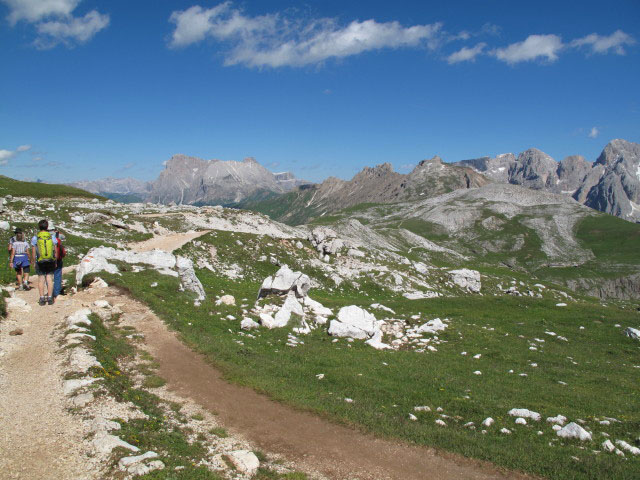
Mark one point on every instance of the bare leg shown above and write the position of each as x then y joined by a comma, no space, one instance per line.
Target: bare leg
19,275
50,284
26,277
41,285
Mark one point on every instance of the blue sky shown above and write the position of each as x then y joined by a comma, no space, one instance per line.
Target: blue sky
90,89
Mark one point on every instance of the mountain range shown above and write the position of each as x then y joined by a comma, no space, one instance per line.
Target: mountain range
611,184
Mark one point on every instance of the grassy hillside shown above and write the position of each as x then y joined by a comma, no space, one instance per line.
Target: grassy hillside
533,356
17,188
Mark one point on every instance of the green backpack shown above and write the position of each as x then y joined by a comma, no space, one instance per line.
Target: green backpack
45,247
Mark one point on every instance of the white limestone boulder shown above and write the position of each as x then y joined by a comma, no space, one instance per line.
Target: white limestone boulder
573,430
525,413
284,281
354,322
466,279
188,277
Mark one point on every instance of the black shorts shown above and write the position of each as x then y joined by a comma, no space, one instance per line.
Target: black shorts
45,268
26,269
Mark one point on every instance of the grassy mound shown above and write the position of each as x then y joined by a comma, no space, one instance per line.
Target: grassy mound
17,188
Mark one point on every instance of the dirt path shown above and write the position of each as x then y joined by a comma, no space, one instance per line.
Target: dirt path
39,439
305,439
168,243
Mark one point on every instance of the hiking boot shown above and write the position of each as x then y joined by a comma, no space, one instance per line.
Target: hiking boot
26,287
50,300
21,287
42,301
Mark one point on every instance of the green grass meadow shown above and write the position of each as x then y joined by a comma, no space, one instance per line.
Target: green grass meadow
597,363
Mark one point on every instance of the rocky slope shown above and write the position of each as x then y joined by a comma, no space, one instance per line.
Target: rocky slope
379,184
611,184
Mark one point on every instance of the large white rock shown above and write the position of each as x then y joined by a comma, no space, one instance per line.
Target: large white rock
632,333
467,279
96,260
284,281
354,322
245,461
4,225
525,413
188,277
573,430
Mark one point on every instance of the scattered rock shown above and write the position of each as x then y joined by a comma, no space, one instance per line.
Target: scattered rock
488,422
248,324
104,443
226,300
558,419
82,400
466,279
629,448
245,461
17,331
573,430
525,413
632,333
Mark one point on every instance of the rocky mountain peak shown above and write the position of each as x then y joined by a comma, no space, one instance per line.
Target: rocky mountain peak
435,160
618,149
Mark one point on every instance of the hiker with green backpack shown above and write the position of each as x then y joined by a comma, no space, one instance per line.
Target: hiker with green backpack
44,254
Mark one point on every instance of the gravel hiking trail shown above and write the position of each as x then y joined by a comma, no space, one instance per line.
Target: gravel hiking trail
39,438
168,243
311,442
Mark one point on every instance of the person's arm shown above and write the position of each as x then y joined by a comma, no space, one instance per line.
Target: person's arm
13,254
33,254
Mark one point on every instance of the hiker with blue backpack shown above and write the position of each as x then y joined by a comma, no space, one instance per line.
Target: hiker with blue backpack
19,259
44,254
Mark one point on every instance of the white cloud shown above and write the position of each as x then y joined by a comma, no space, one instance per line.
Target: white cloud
532,48
594,132
5,156
54,21
466,54
275,41
71,30
602,44
35,10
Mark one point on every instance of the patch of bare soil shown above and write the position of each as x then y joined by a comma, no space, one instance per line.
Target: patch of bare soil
310,442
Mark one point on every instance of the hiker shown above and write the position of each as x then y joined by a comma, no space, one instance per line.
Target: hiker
61,252
19,259
44,254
